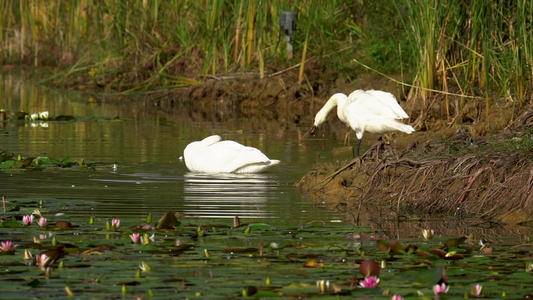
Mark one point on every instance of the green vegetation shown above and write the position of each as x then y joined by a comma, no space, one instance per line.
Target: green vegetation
44,254
477,48
520,144
517,143
10,161
475,51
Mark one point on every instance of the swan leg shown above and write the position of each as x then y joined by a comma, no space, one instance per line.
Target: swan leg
358,145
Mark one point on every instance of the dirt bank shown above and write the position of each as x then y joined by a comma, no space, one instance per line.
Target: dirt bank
465,175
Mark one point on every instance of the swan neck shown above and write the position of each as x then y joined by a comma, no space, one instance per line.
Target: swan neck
335,100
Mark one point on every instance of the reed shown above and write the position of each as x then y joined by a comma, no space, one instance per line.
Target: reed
140,40
484,45
479,48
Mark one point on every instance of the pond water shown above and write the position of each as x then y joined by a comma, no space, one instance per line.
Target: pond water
138,150
287,245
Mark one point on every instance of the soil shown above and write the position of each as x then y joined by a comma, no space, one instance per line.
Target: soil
428,178
413,175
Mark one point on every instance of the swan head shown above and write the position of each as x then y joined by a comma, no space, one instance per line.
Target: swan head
339,100
313,130
319,119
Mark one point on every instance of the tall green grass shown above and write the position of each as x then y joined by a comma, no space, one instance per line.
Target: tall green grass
130,44
144,36
481,49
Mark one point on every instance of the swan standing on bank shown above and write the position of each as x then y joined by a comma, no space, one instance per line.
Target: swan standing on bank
211,155
372,111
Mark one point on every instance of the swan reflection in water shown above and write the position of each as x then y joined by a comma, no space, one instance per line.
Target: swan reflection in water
228,195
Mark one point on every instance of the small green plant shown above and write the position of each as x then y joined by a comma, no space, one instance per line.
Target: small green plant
522,144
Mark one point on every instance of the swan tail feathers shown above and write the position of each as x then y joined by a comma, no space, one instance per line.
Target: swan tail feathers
408,129
257,167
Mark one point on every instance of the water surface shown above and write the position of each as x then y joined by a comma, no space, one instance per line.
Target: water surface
138,145
138,150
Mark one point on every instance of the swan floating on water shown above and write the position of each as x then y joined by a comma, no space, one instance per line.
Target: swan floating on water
212,155
372,111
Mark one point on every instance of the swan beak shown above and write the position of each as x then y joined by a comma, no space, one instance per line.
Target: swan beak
314,129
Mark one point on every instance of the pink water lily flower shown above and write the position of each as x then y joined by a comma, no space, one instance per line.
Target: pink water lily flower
115,224
476,290
42,222
42,261
369,282
135,238
396,297
7,246
443,288
27,220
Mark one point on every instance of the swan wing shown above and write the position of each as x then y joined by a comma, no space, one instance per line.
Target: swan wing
241,159
374,105
210,140
223,157
388,100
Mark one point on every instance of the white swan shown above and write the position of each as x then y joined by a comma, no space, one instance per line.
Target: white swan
211,155
372,111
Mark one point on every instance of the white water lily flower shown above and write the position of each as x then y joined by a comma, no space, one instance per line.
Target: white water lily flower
145,267
43,115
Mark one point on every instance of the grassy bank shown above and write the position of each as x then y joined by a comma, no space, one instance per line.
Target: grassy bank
474,53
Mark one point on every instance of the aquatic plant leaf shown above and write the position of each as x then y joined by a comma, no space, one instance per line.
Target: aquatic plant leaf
397,247
10,223
383,246
260,226
181,248
451,243
27,162
486,250
7,164
4,155
63,118
264,294
34,283
441,253
54,254
20,115
301,255
423,253
168,221
313,264
249,291
430,277
129,283
241,250
63,224
47,160
369,267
